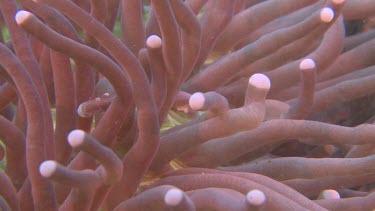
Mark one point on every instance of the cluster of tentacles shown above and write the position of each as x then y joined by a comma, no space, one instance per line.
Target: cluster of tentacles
187,105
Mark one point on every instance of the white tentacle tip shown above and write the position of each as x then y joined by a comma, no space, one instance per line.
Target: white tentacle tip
330,194
76,138
173,197
47,168
256,197
21,16
260,80
153,41
197,100
327,15
307,64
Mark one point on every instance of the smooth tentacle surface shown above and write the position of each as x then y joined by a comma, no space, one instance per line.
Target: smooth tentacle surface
187,105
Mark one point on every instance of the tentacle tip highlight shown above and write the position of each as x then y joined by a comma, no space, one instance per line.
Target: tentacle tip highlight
256,197
307,64
80,111
76,137
173,197
21,16
330,194
153,41
197,101
260,80
47,168
327,15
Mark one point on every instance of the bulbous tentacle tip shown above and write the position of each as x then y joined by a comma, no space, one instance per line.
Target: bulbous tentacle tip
255,197
330,194
47,168
260,80
21,16
197,101
173,197
307,64
153,41
76,137
327,14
